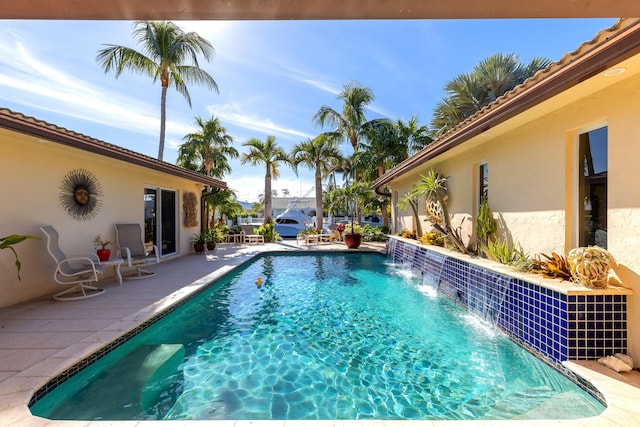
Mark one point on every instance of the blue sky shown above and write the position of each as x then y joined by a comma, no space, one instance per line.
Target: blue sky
273,76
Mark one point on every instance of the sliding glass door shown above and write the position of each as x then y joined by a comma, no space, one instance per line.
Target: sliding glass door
160,220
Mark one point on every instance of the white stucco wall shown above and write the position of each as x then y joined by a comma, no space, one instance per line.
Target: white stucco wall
32,172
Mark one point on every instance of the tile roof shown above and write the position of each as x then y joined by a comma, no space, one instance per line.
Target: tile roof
608,47
40,129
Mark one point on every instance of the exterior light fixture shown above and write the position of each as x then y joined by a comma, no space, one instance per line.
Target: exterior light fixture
614,71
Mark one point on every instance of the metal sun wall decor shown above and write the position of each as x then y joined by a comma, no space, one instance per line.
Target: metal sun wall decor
80,194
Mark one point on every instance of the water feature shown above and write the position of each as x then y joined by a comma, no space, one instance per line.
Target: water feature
486,292
341,336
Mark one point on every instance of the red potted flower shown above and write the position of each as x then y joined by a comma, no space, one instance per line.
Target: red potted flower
101,248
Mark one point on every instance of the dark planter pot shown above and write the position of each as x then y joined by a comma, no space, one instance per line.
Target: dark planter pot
211,246
352,240
103,254
198,247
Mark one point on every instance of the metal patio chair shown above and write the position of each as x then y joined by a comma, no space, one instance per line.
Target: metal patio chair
133,251
79,272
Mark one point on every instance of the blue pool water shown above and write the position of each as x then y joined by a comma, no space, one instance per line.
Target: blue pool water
339,336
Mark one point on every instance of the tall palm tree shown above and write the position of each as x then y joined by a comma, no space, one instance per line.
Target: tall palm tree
169,54
320,154
226,201
352,120
469,93
208,150
272,156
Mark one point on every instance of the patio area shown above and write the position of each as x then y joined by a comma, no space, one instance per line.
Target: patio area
42,338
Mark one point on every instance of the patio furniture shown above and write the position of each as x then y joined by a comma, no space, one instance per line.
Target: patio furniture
79,271
133,252
249,235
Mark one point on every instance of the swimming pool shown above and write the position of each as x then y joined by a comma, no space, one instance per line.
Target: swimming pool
340,336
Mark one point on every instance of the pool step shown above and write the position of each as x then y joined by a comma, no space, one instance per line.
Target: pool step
163,361
519,403
569,405
127,388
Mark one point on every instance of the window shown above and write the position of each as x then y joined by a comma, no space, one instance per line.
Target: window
592,188
483,181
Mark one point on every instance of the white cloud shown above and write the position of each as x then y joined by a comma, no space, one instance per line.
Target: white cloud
231,113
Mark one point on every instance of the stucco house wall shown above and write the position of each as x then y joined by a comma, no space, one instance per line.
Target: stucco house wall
32,173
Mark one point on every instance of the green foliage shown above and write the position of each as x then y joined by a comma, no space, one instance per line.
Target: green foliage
552,266
373,234
485,223
308,231
214,235
432,238
352,227
199,238
7,242
499,250
268,230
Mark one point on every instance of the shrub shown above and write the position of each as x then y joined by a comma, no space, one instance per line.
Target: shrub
432,238
408,234
499,250
373,234
269,232
552,266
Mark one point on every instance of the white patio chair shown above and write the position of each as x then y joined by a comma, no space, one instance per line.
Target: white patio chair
132,250
79,271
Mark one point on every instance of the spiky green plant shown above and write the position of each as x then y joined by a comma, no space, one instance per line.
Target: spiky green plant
485,223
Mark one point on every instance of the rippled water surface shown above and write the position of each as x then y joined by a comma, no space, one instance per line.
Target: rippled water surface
340,336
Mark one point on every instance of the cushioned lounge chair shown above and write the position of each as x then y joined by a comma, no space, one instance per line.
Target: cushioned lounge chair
133,252
79,272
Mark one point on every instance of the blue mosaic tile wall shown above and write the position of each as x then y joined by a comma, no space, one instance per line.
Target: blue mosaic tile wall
554,325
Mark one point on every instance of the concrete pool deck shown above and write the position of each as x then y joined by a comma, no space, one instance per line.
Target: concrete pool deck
40,339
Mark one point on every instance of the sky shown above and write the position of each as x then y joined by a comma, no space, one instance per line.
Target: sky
273,77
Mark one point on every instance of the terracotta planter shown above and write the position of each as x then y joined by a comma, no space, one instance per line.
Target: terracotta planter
103,254
352,240
198,247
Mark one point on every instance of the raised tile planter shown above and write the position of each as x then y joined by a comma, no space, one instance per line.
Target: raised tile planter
558,320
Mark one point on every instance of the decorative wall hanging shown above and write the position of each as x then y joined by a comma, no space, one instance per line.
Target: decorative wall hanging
190,206
80,194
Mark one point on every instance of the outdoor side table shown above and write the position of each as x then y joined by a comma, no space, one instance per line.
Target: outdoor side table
115,263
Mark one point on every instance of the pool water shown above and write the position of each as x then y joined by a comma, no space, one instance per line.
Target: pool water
335,336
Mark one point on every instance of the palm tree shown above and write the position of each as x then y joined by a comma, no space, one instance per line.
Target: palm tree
351,122
469,93
208,150
319,154
411,200
271,155
433,186
226,202
169,54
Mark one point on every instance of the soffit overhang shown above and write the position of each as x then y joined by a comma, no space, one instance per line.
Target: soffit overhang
41,130
311,9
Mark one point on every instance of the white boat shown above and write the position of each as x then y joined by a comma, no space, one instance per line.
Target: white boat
293,220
